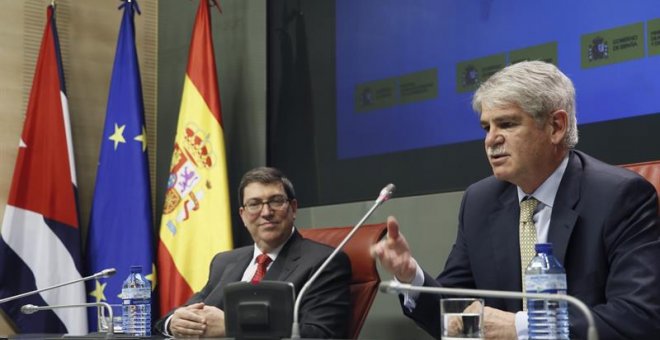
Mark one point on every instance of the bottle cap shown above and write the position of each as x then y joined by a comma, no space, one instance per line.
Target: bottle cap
136,269
543,248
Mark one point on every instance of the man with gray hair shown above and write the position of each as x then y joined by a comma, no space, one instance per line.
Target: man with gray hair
602,220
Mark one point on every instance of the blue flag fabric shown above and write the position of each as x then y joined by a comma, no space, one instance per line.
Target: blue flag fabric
121,226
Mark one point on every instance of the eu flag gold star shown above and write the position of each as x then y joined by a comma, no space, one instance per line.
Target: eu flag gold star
142,138
152,277
118,136
98,292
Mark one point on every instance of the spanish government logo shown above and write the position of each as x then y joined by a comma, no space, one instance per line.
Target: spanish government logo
470,76
367,96
598,49
188,181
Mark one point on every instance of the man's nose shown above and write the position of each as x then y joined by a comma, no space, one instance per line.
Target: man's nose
268,210
493,137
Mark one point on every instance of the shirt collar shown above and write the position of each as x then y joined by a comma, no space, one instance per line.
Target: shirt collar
273,254
548,190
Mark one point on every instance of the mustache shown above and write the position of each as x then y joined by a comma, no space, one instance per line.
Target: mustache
496,150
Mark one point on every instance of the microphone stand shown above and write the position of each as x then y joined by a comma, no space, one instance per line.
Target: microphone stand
384,195
102,274
29,309
393,287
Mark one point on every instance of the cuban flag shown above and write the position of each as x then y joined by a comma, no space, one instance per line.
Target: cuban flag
40,244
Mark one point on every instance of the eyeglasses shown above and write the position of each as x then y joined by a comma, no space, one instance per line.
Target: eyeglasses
274,203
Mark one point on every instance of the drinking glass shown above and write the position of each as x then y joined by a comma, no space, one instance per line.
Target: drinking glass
104,319
462,318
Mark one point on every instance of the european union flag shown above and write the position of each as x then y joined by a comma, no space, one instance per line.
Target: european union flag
121,227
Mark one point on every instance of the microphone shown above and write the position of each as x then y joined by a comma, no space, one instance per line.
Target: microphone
30,309
383,196
395,287
102,274
105,273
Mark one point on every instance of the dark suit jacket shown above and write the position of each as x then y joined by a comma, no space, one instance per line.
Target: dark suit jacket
604,229
325,307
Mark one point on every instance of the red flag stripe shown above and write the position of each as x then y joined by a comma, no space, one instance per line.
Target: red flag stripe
174,290
45,146
201,61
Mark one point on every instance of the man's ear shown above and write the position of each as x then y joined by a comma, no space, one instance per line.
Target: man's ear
559,126
241,211
294,205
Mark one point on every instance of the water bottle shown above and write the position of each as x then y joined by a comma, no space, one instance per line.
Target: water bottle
136,304
548,319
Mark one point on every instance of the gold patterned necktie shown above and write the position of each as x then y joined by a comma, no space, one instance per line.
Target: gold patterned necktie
527,237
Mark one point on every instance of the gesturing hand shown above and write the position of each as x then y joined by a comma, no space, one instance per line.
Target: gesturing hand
394,253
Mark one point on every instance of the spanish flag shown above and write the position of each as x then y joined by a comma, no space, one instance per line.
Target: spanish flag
196,222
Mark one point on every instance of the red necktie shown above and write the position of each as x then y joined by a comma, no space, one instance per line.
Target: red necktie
262,264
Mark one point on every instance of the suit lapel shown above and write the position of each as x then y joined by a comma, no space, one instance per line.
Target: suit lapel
233,272
235,269
564,215
287,260
504,235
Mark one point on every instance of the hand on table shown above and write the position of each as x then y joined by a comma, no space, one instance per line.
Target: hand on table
187,321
